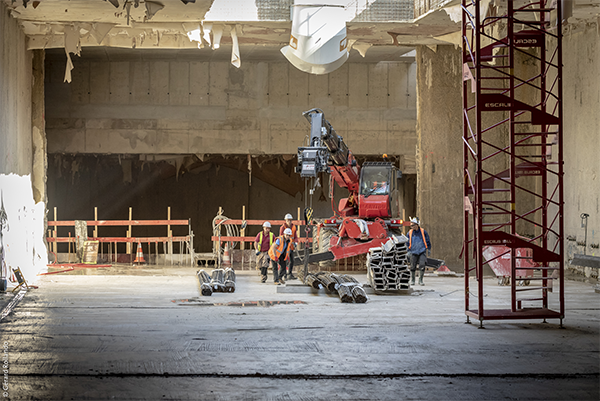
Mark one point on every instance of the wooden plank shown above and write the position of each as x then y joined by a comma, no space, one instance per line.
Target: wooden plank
90,252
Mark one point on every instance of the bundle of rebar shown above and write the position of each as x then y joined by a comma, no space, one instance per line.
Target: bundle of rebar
329,280
353,287
229,280
359,294
205,286
217,281
345,293
387,266
313,281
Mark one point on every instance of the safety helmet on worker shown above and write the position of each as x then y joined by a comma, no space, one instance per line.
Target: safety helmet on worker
267,224
415,220
288,217
287,231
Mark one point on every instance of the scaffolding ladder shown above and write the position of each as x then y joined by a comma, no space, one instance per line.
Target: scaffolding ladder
513,153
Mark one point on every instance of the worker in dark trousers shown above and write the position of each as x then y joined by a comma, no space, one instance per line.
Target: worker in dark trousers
262,244
280,254
418,245
288,224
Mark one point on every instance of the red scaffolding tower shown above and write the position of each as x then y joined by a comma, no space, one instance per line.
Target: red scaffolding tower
513,155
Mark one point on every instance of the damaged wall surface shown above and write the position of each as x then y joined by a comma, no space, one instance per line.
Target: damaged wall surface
23,228
439,162
194,107
581,94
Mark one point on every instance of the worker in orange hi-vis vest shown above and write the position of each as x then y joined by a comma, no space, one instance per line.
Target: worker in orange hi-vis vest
280,254
288,224
262,244
418,245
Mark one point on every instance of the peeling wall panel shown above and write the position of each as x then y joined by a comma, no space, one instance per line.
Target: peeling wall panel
140,82
318,88
199,83
358,89
159,82
99,82
179,83
218,81
339,82
119,82
298,87
378,86
278,84
80,83
399,80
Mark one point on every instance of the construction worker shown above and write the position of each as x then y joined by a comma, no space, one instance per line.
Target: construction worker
288,224
280,254
418,245
262,246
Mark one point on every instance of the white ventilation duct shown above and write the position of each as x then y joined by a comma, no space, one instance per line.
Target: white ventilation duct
318,43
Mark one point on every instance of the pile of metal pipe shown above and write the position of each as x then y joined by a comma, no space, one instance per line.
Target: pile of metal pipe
313,281
388,266
229,280
205,286
355,289
347,287
217,280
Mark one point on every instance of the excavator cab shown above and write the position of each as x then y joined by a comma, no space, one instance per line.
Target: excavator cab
378,193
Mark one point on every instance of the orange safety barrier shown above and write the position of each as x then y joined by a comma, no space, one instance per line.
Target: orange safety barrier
274,224
169,239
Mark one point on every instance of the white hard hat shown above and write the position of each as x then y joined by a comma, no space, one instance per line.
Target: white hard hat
415,221
287,231
267,224
288,217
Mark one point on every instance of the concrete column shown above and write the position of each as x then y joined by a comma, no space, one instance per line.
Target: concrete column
38,130
439,150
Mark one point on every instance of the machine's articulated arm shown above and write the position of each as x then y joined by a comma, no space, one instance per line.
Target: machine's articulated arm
327,152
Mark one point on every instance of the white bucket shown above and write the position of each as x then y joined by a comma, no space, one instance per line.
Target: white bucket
318,43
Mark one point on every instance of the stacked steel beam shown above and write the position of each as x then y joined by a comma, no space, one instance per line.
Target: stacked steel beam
388,266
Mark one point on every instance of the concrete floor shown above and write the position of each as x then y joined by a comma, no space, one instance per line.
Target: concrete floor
148,334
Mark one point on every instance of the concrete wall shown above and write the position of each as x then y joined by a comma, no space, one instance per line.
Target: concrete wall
194,107
22,232
15,98
581,88
439,157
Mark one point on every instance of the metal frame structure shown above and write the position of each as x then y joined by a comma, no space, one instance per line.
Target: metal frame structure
513,152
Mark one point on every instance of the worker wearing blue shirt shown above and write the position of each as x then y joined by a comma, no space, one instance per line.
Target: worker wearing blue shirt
418,245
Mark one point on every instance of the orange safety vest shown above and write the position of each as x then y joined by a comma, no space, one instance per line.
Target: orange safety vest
422,235
260,239
277,249
293,228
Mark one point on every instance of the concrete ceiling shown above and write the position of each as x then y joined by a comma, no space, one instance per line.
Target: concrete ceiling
106,31
262,27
